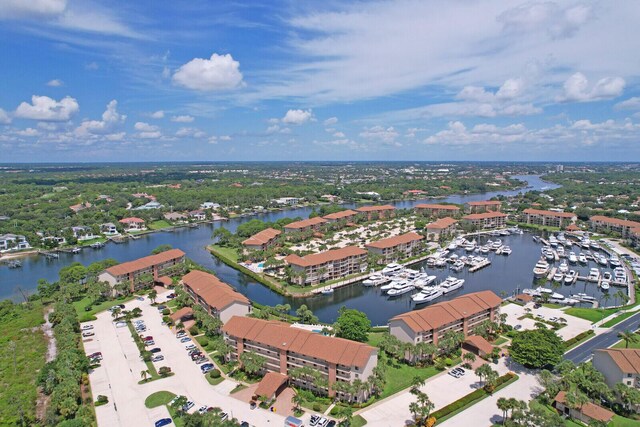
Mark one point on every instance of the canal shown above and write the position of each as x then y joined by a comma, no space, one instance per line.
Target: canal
504,275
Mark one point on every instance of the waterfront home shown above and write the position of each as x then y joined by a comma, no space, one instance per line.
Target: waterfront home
461,314
549,218
175,217
198,215
483,206
437,210
342,216
286,348
623,227
305,225
443,227
216,297
329,265
486,220
618,365
148,206
80,206
13,242
210,205
287,201
82,233
396,248
587,413
144,271
263,240
377,212
109,229
133,224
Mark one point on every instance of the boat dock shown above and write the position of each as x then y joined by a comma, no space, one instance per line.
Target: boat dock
479,266
552,273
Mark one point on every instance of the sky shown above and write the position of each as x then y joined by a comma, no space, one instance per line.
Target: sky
421,80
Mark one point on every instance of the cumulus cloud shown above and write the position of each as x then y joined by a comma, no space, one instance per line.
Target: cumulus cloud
458,134
576,88
111,120
190,132
549,17
182,119
157,114
31,8
4,117
29,132
297,117
387,135
145,127
47,109
55,83
219,72
629,104
331,121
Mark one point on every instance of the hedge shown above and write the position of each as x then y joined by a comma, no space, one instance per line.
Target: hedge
471,398
570,342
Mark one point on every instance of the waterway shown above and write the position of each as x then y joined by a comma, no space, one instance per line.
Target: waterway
506,274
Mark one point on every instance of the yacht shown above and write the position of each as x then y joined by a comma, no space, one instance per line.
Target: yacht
452,246
327,291
485,249
570,277
583,297
450,284
605,286
427,295
458,266
558,276
582,258
392,269
548,253
505,232
620,275
594,245
602,260
594,275
550,292
401,290
506,250
553,241
541,269
453,258
585,243
375,279
614,261
496,245
470,246
440,262
392,285
424,281
573,258
560,251
563,268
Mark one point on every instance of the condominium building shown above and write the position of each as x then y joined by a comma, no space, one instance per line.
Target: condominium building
621,226
286,348
379,212
346,215
329,265
305,225
443,227
618,365
486,220
549,218
461,314
483,206
134,271
263,240
437,210
216,297
396,248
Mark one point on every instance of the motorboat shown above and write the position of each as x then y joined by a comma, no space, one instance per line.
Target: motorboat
76,250
505,232
458,266
560,251
392,285
594,275
583,297
541,268
585,243
573,258
570,277
582,258
614,261
452,246
470,246
548,253
453,258
424,281
558,276
620,275
605,285
602,260
450,284
441,262
553,241
506,250
595,245
392,269
375,279
427,295
496,245
485,249
536,239
327,291
499,250
563,267
401,290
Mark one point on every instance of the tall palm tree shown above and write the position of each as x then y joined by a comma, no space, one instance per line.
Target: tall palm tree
144,375
627,336
503,405
153,294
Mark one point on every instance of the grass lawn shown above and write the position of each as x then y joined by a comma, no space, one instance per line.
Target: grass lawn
401,376
501,340
619,421
596,314
92,241
552,305
618,319
157,225
158,398
229,253
214,381
375,338
358,421
238,388
636,344
85,316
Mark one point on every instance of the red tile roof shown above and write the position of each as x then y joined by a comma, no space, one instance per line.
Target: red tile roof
441,223
395,241
480,343
131,220
485,215
627,359
183,312
165,280
340,215
443,207
212,290
305,223
144,263
615,221
270,383
485,203
549,213
281,336
445,312
263,237
375,208
324,257
591,410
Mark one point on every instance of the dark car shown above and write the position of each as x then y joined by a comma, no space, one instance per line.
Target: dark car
244,424
332,423
121,305
155,350
537,305
171,296
163,422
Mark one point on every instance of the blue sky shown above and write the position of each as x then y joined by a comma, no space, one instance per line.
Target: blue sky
390,80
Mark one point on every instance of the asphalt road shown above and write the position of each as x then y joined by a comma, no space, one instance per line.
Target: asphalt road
584,352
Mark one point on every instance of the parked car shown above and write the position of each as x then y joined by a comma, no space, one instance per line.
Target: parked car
161,307
244,424
147,338
188,406
194,351
323,422
88,334
224,416
87,327
181,334
517,327
148,343
252,404
201,360
121,324
155,350
185,339
96,355
202,410
190,347
332,423
171,295
314,420
206,365
163,422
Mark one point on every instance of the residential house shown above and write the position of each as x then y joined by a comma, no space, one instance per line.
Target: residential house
477,345
287,201
210,205
486,220
305,225
587,413
83,233
148,206
377,212
329,265
461,314
13,242
175,217
109,229
437,210
549,218
443,227
198,215
263,240
133,224
80,206
483,206
396,248
135,271
216,297
287,348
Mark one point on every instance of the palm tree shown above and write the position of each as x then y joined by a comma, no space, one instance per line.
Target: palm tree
297,401
144,375
469,357
153,294
627,336
503,405
116,312
606,297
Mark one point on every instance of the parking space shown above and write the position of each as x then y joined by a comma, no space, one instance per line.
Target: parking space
574,326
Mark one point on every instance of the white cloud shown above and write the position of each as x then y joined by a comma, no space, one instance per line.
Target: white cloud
387,135
576,88
47,109
297,117
629,104
145,127
157,114
519,110
510,89
547,17
224,138
55,83
92,66
31,9
182,119
30,132
458,134
111,120
217,73
331,121
338,135
212,139
4,117
190,132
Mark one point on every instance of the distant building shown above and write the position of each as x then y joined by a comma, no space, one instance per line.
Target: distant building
587,413
483,206
82,233
379,212
153,265
13,242
305,225
486,220
287,201
549,218
396,248
263,240
618,365
623,227
329,265
346,215
210,205
79,207
109,229
133,224
216,297
437,210
198,215
175,217
443,227
148,206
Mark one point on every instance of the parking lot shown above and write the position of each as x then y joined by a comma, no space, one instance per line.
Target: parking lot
574,326
120,371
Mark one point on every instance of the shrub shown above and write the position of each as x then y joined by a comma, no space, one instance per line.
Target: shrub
102,400
194,330
448,361
568,343
166,312
317,407
204,342
164,371
214,373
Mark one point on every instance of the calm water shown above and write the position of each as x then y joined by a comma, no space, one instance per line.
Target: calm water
193,241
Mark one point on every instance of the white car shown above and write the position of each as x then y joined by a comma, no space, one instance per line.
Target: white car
88,334
87,327
157,358
190,347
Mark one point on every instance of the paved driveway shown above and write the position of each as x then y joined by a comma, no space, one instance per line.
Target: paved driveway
575,325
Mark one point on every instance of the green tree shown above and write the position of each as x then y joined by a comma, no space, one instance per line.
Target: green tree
305,315
352,325
161,248
537,348
628,337
252,363
153,294
144,375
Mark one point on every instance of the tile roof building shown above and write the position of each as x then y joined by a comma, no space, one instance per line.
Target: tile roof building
153,265
133,224
486,220
332,264
305,225
483,206
380,212
587,413
286,348
623,227
461,314
346,215
216,297
442,227
263,240
549,218
618,365
396,248
437,210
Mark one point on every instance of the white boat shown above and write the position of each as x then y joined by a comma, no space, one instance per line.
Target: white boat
541,268
557,296
450,284
560,252
594,245
582,258
563,267
401,290
605,286
392,269
469,247
573,258
558,276
424,281
485,249
392,285
441,262
535,238
553,241
496,245
542,290
570,277
327,291
458,266
506,250
594,275
427,295
614,261
452,246
375,280
602,260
